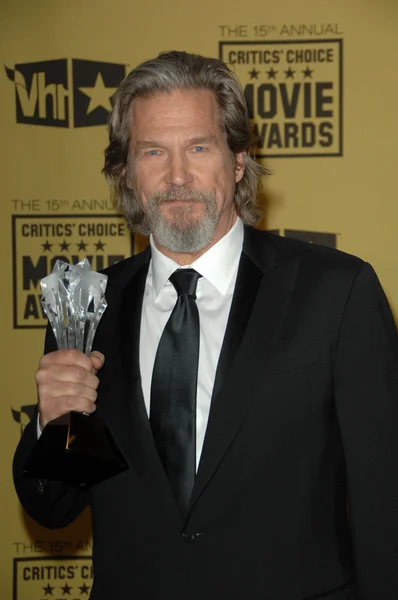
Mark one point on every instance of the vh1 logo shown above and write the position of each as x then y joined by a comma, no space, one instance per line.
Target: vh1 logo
65,92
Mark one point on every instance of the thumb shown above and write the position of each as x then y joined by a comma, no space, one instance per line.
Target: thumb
98,359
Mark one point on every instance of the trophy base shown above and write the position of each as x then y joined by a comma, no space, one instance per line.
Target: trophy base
75,449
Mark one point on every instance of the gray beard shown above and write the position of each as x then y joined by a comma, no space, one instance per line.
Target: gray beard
185,234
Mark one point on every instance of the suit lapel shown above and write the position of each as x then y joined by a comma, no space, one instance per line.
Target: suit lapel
253,335
247,283
130,326
125,410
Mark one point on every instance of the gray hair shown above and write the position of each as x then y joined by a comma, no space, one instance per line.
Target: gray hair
171,71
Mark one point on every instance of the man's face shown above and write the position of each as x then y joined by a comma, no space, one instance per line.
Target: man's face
181,169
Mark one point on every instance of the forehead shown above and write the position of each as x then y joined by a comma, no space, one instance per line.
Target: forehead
183,109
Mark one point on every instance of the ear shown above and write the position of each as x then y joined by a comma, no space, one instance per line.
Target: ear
125,175
239,166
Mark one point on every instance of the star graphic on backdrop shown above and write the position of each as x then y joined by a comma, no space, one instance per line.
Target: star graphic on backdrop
48,590
100,245
84,589
99,95
271,73
64,246
81,246
253,74
308,72
66,589
47,246
289,73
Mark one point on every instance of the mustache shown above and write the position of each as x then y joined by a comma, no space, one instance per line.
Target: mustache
182,195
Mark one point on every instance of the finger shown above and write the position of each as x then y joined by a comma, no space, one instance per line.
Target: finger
66,357
62,405
56,389
64,373
97,359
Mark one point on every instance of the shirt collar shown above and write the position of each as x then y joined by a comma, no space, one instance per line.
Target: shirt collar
218,264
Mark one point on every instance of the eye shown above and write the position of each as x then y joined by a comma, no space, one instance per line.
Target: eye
152,153
199,149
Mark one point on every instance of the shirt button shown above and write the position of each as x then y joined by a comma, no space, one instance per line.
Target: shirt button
188,537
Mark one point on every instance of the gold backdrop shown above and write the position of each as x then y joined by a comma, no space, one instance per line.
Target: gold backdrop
320,80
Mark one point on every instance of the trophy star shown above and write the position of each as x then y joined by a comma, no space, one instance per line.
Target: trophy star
73,298
98,280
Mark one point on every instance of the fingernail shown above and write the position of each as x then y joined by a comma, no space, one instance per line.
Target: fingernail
100,356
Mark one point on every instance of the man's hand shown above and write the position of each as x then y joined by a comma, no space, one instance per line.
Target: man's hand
66,380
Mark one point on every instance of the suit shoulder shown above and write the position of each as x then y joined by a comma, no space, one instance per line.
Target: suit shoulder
314,254
127,266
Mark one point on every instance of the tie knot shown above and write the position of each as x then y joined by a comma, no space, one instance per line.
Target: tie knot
185,281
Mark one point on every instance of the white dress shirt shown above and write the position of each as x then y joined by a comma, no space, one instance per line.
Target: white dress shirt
219,268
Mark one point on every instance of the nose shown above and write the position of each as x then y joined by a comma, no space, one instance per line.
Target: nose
178,172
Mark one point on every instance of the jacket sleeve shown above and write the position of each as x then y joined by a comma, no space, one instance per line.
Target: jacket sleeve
366,396
50,503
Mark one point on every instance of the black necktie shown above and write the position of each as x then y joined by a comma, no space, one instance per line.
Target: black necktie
173,390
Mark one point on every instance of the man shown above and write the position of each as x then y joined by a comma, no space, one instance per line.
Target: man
295,380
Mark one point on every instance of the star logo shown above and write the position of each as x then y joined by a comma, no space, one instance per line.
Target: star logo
47,246
81,246
289,73
64,246
99,95
100,245
253,74
84,589
48,590
271,73
66,589
308,73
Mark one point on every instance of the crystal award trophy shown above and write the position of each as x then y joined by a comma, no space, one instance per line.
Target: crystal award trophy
75,448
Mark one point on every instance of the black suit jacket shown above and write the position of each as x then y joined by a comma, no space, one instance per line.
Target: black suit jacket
302,430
